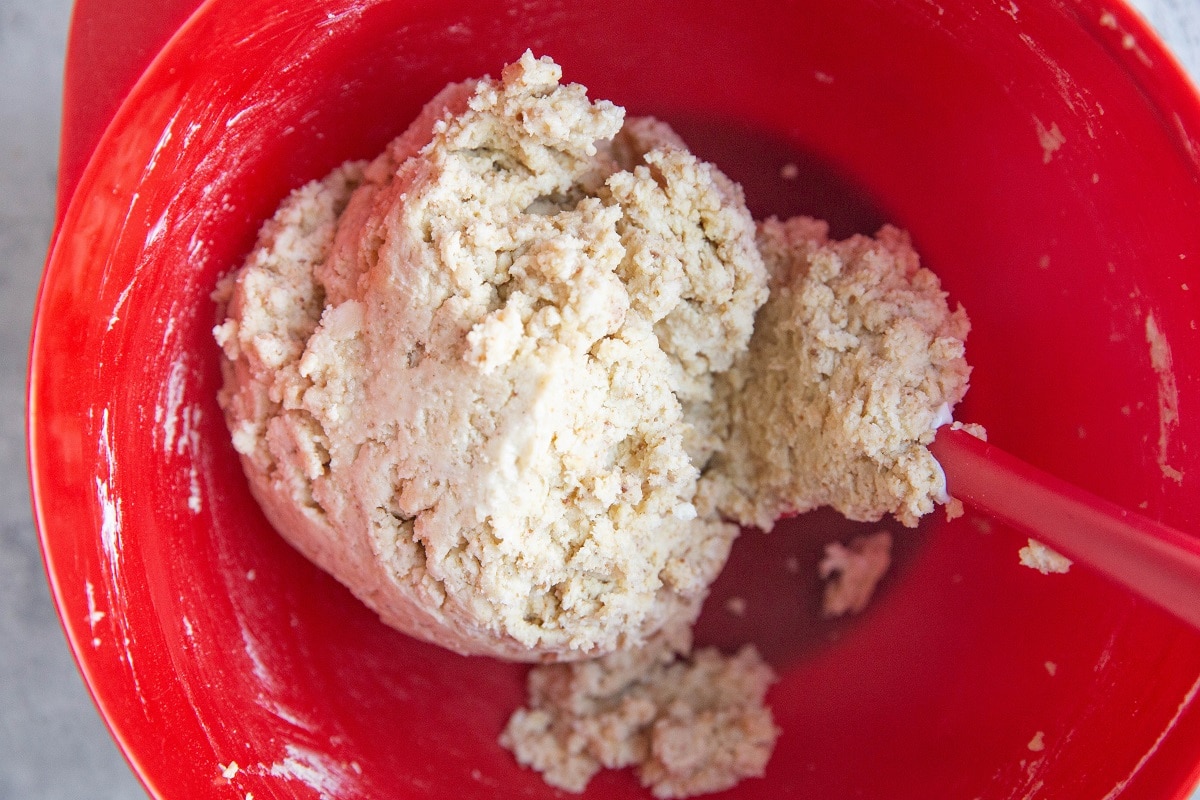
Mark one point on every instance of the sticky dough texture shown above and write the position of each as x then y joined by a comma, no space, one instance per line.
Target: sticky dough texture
474,379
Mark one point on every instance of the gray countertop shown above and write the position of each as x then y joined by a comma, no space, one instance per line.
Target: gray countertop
52,743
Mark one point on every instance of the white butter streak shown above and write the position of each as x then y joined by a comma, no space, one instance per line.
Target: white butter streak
257,662
115,317
156,233
1187,700
329,778
286,714
167,414
1168,395
111,524
161,144
179,425
943,416
110,504
94,614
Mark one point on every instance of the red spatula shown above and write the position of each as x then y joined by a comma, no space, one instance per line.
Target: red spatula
1150,558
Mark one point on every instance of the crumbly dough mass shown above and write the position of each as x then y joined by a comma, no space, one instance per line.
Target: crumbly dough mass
688,724
473,378
856,360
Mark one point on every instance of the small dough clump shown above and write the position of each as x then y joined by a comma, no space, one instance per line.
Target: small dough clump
855,362
852,571
689,725
1036,555
473,379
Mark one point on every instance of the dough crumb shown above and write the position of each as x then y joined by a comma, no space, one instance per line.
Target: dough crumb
973,428
856,360
1037,744
1036,555
852,572
736,606
954,509
688,725
1051,139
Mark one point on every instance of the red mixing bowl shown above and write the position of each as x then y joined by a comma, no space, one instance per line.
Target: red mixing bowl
1045,156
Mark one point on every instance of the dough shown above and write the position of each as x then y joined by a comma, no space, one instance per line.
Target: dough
474,379
852,571
855,362
501,383
1036,555
688,725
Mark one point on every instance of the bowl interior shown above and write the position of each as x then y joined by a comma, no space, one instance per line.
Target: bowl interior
1044,159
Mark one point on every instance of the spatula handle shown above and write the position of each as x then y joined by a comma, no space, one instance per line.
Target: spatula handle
1152,559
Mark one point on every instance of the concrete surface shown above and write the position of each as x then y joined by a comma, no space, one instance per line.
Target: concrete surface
52,743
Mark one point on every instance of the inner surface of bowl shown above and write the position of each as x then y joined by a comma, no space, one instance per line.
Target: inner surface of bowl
1044,159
